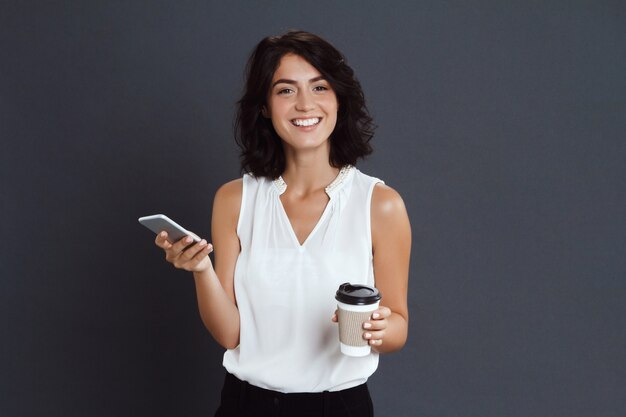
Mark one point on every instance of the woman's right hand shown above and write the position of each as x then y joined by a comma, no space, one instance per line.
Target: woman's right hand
194,258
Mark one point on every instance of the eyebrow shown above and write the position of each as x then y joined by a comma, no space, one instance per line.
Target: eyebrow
286,81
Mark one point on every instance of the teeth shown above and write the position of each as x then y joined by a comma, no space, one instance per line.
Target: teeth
306,122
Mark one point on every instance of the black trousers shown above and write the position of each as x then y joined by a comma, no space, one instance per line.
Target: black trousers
240,399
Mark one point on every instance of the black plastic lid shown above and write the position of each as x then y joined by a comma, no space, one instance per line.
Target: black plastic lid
357,294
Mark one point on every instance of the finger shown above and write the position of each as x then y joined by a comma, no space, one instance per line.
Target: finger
190,252
181,258
334,318
161,240
377,335
174,252
381,313
182,244
203,252
375,325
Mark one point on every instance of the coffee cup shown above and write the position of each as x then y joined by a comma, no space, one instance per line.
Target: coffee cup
355,305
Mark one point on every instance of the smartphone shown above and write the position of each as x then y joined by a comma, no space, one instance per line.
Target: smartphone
160,222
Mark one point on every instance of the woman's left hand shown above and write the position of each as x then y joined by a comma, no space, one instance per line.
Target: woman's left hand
374,328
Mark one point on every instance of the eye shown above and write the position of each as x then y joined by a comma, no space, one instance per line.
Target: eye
284,91
320,88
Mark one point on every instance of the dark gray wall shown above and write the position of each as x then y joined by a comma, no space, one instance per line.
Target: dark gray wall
502,125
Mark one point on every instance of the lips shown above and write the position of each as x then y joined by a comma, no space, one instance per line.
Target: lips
312,121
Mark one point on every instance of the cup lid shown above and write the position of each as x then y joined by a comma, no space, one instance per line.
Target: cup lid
357,294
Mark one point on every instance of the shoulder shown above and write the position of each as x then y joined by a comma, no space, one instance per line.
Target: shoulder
231,190
386,202
389,218
227,200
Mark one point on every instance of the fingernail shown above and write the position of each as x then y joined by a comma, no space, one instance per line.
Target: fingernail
375,315
366,325
202,243
368,335
162,234
188,239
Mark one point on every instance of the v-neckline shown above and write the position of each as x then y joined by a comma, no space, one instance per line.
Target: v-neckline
290,225
281,186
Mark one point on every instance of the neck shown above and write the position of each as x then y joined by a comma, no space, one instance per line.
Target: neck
307,172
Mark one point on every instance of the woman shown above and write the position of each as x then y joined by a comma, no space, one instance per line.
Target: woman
299,223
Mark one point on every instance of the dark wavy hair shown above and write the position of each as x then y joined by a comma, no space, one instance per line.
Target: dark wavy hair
262,152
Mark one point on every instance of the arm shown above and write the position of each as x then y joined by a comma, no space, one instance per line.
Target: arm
214,286
215,289
391,245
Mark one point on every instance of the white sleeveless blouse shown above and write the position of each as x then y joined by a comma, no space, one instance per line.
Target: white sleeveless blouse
286,291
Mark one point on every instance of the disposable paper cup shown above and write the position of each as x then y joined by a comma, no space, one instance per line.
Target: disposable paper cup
355,305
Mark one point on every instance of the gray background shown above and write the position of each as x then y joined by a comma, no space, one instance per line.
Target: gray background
500,123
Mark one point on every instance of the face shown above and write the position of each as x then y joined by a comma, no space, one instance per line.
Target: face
301,103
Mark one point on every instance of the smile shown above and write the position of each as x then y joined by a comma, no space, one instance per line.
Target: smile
306,122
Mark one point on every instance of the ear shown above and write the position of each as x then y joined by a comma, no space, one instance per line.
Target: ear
264,112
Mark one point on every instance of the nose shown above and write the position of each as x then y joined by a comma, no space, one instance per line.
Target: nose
305,101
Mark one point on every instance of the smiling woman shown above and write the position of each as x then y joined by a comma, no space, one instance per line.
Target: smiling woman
262,149
301,221
302,106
